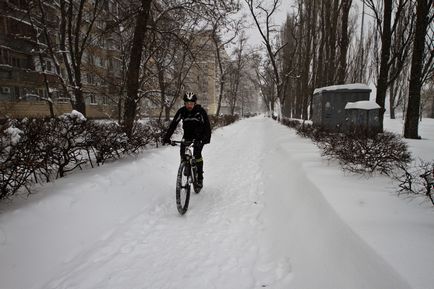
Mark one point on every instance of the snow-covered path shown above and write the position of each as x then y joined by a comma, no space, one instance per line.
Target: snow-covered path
259,222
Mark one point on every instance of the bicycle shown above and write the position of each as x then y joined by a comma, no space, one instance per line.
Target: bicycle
187,177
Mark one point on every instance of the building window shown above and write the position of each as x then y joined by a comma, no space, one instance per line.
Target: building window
49,66
90,59
89,78
93,99
100,61
16,62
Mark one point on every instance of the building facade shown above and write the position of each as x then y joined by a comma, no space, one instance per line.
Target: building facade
34,81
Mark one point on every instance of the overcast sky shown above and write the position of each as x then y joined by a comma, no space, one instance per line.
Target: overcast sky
285,7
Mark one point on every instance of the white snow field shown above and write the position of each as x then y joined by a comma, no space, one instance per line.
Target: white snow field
272,214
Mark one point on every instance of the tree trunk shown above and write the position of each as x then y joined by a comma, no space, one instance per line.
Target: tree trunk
134,67
385,54
346,5
392,97
413,109
432,107
79,103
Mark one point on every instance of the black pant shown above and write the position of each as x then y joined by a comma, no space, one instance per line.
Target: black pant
197,152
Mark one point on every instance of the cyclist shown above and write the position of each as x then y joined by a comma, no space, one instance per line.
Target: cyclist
196,126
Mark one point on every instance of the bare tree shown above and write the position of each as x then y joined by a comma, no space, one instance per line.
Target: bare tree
133,71
76,24
174,51
266,29
235,73
399,62
221,26
423,19
358,66
289,64
344,41
201,10
398,91
386,26
35,18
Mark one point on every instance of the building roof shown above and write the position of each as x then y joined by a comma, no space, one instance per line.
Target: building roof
363,104
351,86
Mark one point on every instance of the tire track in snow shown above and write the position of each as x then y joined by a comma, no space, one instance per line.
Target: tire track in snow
258,223
215,245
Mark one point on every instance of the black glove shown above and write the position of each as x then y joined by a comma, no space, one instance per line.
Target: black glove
205,141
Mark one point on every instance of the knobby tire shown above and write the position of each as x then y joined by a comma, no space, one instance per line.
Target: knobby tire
182,189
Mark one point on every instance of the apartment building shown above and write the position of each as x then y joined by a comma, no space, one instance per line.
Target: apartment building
28,74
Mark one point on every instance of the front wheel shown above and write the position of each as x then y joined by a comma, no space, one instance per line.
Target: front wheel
183,188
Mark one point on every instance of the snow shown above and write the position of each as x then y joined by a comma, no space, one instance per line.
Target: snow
14,133
76,114
351,86
272,214
363,104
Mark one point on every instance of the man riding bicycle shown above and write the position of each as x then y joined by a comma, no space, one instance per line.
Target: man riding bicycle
196,126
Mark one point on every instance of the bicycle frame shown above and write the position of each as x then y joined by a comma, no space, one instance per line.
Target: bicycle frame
191,161
189,156
187,169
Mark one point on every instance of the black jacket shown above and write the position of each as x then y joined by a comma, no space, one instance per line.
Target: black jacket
195,124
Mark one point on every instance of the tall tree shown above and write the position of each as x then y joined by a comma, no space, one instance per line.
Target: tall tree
220,27
411,125
235,73
386,36
386,25
133,71
266,30
77,20
344,42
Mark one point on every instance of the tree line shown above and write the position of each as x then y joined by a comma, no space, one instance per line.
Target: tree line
157,44
322,43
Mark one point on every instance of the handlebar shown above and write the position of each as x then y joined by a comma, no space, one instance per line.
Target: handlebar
185,142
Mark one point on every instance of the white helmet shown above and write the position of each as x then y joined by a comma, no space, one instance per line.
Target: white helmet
190,96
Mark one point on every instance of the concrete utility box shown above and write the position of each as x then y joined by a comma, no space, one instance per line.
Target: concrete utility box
328,105
363,117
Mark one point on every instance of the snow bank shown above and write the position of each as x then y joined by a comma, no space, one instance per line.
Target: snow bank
272,214
352,86
363,104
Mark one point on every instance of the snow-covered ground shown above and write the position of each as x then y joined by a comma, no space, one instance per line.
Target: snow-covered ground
272,214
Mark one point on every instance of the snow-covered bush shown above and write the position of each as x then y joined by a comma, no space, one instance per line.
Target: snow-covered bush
360,153
292,123
143,134
19,158
317,134
39,150
383,153
105,141
67,143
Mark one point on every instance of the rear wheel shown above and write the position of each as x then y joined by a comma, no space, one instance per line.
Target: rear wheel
183,188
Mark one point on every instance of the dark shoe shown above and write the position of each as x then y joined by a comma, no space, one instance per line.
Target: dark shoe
199,183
